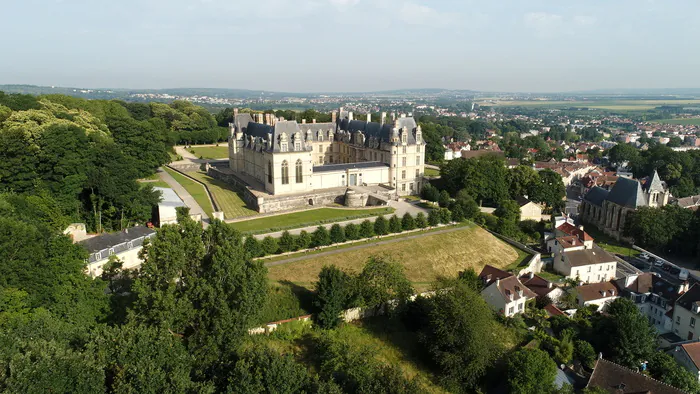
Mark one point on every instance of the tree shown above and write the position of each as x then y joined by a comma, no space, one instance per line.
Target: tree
381,226
549,189
457,320
465,202
624,334
445,215
253,247
444,199
337,234
564,349
394,224
429,192
366,229
522,181
321,237
664,368
262,370
333,291
352,232
421,222
433,218
584,352
269,246
382,280
287,242
622,153
407,222
509,211
304,240
531,371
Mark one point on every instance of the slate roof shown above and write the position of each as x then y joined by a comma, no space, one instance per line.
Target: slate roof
489,274
597,291
627,193
341,167
655,183
596,255
117,241
596,196
689,297
522,201
377,130
617,379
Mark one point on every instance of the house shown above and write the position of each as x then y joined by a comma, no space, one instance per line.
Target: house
504,292
599,294
688,355
685,314
529,210
654,296
125,245
564,228
542,287
617,379
576,261
690,202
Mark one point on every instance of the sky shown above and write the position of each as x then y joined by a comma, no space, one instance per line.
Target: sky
352,45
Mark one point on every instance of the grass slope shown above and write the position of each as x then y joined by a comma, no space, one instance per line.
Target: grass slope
226,197
306,218
424,259
210,152
195,189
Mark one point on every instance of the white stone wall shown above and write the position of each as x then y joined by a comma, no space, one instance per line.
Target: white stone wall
683,323
130,260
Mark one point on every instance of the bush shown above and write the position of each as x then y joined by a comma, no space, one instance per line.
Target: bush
395,224
366,229
352,232
433,218
303,240
269,246
381,227
337,234
407,222
421,221
445,215
287,242
457,214
430,193
252,246
444,199
584,352
320,237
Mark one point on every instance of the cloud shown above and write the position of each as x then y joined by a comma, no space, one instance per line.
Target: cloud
344,3
585,20
545,24
418,14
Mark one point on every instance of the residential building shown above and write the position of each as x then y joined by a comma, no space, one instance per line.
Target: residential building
608,210
686,313
575,260
542,287
504,292
124,245
655,297
599,294
688,355
617,379
529,210
691,202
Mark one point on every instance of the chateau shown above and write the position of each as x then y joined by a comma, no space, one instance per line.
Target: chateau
289,158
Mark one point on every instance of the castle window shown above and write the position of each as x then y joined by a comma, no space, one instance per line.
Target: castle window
417,160
299,174
269,171
404,138
404,149
403,174
285,173
284,147
418,148
297,146
403,162
320,136
417,173
320,149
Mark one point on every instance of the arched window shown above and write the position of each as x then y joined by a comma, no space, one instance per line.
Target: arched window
285,173
300,176
269,171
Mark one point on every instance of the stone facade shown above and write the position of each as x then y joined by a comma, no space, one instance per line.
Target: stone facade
289,158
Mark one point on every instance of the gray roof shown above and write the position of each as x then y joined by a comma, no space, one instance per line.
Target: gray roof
655,183
381,132
628,193
596,255
596,196
342,167
169,198
117,241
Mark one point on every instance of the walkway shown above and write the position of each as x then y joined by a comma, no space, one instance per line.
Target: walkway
401,208
362,245
184,195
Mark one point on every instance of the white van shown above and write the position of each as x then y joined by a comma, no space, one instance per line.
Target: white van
683,275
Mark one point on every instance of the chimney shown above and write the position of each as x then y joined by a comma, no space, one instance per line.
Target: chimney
334,116
580,228
303,121
519,291
383,117
549,285
369,118
268,119
313,120
498,281
532,274
350,115
403,115
410,114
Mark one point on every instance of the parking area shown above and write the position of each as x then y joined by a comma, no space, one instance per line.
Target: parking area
666,270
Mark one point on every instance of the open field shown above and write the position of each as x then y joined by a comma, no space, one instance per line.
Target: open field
229,200
424,259
195,189
611,105
210,152
685,122
306,218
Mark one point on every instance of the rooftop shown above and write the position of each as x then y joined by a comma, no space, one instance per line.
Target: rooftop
489,274
617,379
169,198
693,351
537,284
349,166
689,297
596,255
597,291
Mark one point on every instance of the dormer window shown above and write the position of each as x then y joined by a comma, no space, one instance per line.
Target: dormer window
319,136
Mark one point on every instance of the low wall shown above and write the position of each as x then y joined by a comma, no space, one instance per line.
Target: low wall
249,197
190,167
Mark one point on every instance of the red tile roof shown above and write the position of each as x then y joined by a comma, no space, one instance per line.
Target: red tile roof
537,284
554,311
570,229
490,273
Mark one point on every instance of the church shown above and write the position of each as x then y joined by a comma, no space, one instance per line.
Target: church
608,210
291,158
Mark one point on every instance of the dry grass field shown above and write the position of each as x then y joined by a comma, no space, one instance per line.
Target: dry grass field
424,259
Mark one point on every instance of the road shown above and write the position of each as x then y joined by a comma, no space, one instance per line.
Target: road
364,244
401,207
184,195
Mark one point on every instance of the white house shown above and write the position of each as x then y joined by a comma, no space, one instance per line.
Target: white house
575,260
504,292
686,314
529,210
599,294
125,245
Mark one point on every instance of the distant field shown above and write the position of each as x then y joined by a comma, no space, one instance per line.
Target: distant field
612,105
424,259
306,218
229,201
211,152
685,122
195,189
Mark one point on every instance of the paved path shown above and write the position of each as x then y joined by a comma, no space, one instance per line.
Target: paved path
401,207
366,244
184,195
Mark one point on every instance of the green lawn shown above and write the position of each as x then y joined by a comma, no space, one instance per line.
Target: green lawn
431,172
210,152
195,189
158,183
228,199
550,276
306,218
685,122
609,244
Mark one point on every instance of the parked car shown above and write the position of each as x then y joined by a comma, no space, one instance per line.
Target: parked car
658,263
674,270
683,275
644,256
666,268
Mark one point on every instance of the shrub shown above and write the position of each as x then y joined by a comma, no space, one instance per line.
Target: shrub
584,352
434,217
421,221
395,224
352,232
252,246
337,234
303,240
407,222
287,242
366,229
430,193
333,291
445,215
381,227
444,199
269,245
320,237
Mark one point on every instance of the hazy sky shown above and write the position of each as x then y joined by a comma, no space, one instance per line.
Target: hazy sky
352,45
